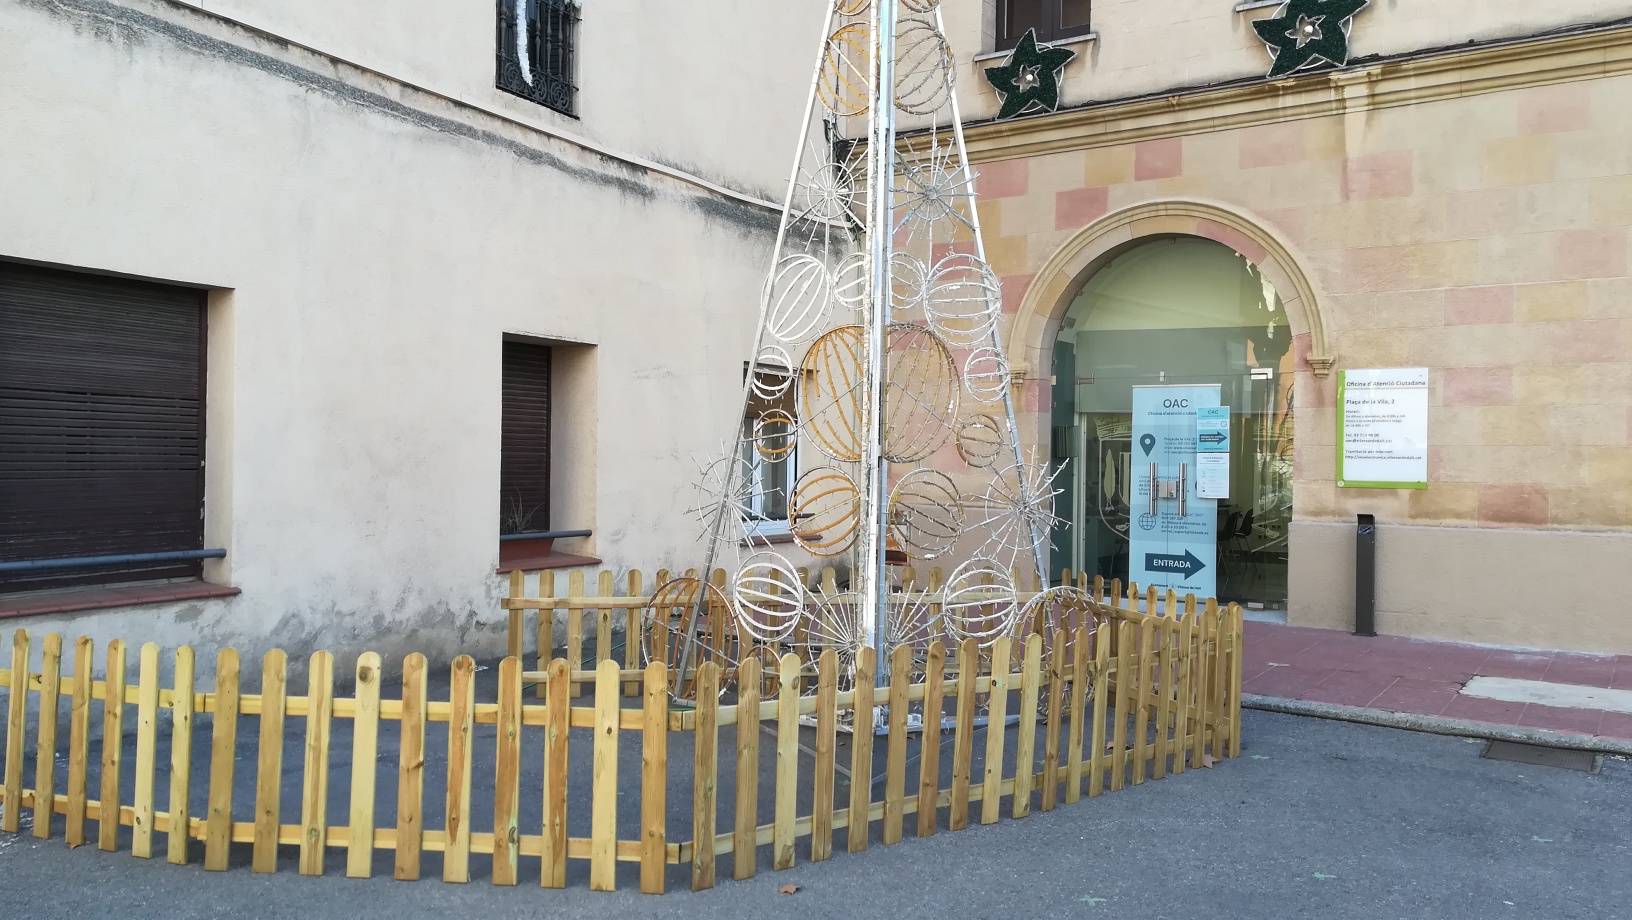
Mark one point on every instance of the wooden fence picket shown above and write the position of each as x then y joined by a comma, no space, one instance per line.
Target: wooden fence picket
1140,709
546,627
1076,710
705,776
223,757
314,799
16,719
603,841
1237,634
1117,739
827,724
181,756
113,733
557,711
1101,678
603,620
507,775
787,763
997,717
861,754
1051,731
929,745
79,742
518,617
1182,687
895,760
461,716
575,628
963,739
1164,689
365,734
1204,683
745,831
45,748
631,634
654,775
147,739
411,771
1025,750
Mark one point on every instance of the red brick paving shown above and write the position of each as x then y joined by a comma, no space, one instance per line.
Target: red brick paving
1425,677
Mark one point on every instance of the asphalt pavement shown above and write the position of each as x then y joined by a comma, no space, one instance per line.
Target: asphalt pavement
1316,819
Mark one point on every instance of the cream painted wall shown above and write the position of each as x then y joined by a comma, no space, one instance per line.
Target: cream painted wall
675,82
372,245
1144,47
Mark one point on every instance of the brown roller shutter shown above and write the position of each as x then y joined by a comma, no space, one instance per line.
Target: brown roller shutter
524,465
101,424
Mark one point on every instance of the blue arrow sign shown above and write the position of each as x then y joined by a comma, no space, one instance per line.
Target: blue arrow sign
1163,562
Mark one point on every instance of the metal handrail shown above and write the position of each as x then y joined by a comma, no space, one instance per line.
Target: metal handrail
86,562
546,535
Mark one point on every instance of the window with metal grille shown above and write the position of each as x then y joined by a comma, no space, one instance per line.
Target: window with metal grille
101,426
1053,20
537,50
524,451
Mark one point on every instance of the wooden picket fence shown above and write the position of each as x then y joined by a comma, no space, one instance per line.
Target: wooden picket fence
1147,693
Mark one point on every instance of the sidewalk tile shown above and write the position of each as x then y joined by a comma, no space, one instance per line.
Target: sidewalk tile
1587,672
1616,725
1517,665
1286,683
1349,688
1554,718
1477,709
1412,699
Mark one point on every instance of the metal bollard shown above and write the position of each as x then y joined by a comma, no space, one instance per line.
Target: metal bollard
1365,575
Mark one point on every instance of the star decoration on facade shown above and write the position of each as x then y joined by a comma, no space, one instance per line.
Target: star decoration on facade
1307,32
1030,79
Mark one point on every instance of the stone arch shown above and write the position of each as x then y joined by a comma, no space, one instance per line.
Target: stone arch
1069,268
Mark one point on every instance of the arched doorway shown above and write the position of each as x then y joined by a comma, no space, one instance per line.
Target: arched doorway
1177,316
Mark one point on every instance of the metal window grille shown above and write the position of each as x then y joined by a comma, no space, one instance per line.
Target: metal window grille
537,51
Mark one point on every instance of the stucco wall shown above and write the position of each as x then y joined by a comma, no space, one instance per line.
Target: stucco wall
665,81
371,246
1143,47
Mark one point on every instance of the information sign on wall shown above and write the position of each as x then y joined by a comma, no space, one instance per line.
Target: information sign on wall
1382,429
1173,542
1213,452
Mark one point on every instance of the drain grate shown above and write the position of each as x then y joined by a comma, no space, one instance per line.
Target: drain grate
1537,756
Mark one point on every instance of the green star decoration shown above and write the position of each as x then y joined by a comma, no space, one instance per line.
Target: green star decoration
1030,79
1307,32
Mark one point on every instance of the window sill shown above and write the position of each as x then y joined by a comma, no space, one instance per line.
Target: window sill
77,599
1246,5
1073,40
545,561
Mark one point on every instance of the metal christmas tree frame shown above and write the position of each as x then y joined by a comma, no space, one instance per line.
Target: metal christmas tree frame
879,349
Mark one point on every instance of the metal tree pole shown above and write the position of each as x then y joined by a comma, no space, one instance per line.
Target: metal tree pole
875,584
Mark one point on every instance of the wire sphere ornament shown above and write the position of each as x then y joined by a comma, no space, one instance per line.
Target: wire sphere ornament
965,300
925,513
769,597
831,401
844,86
923,69
920,6
921,398
1059,612
825,511
725,487
980,441
852,7
935,185
682,636
834,623
909,282
829,193
773,372
853,281
774,435
979,603
801,296
1020,508
986,374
